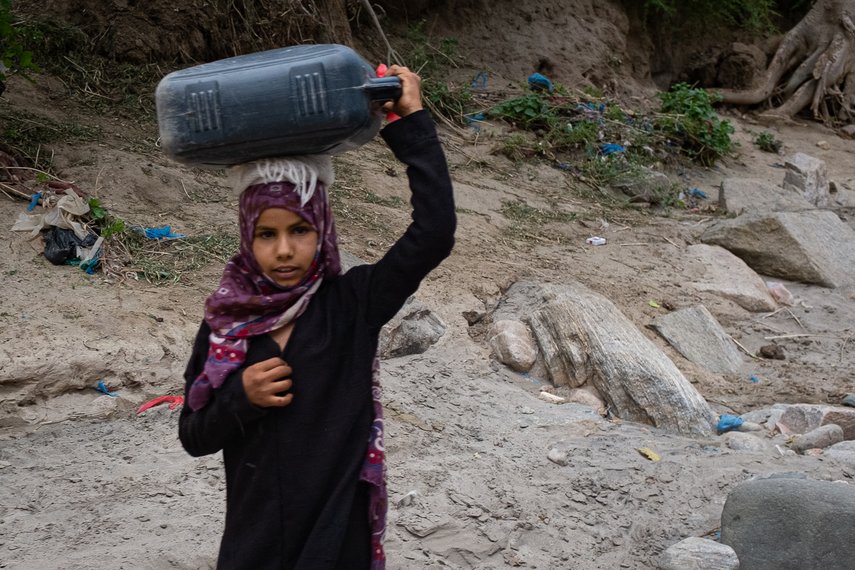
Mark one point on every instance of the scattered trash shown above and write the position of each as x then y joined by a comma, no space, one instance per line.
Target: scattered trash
649,454
727,423
539,82
34,201
654,304
174,402
63,244
611,148
780,293
101,387
596,240
164,232
480,81
754,379
474,121
698,193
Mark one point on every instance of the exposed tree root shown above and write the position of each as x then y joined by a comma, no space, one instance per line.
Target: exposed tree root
813,67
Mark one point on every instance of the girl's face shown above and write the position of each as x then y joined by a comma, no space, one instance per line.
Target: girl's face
284,245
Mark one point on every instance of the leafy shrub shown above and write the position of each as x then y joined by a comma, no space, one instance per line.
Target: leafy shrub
13,56
690,118
527,112
767,142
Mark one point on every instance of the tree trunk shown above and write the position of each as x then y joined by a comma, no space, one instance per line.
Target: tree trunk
812,66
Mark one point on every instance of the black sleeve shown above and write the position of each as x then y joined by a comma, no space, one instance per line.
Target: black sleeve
222,419
430,237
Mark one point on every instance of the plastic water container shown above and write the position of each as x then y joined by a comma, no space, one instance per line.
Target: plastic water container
308,99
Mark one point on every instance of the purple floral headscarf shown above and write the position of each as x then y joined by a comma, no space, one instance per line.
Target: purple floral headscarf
248,303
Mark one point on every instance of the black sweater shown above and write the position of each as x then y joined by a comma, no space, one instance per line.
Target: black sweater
292,473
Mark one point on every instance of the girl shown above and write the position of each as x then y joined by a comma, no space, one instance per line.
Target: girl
283,374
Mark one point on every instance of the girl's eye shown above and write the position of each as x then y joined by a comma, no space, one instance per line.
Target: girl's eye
302,230
264,234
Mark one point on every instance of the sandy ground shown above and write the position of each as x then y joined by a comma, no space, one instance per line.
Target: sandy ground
89,484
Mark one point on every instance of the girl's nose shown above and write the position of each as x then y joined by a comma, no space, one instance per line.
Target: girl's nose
284,248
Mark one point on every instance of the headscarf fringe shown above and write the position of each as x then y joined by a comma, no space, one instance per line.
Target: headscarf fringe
304,172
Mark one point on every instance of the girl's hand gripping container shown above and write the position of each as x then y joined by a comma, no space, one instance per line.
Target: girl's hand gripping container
308,99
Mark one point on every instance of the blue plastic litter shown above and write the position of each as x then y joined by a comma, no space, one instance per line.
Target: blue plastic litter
611,148
754,379
161,233
480,81
698,193
34,201
849,400
539,82
101,387
728,423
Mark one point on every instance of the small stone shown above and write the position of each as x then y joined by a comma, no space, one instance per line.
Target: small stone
558,457
849,400
772,352
823,145
750,426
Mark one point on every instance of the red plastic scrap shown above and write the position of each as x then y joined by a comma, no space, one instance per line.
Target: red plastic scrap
174,402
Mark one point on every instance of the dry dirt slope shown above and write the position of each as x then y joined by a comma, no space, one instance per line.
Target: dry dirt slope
87,484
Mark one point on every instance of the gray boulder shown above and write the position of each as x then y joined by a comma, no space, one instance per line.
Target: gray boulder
790,524
820,438
512,344
696,335
802,418
844,452
747,195
811,247
808,177
412,331
728,276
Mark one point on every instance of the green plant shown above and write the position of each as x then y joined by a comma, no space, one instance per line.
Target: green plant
528,221
106,224
528,111
688,116
14,57
767,142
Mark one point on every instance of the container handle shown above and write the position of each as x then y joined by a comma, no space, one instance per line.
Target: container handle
383,88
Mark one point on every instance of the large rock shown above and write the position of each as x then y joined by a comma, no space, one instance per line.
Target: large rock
811,247
802,418
412,331
728,276
820,438
513,345
583,338
695,553
748,195
780,524
696,335
808,176
844,452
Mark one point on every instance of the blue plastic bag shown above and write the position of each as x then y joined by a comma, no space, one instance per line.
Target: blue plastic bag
728,423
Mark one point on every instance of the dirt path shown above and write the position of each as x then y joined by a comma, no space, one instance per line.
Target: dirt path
88,484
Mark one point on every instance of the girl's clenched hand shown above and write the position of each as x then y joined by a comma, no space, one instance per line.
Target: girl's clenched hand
266,382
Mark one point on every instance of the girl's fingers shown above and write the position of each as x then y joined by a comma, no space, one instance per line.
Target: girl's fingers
280,401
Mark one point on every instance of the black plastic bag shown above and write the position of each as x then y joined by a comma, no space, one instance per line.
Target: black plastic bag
61,244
